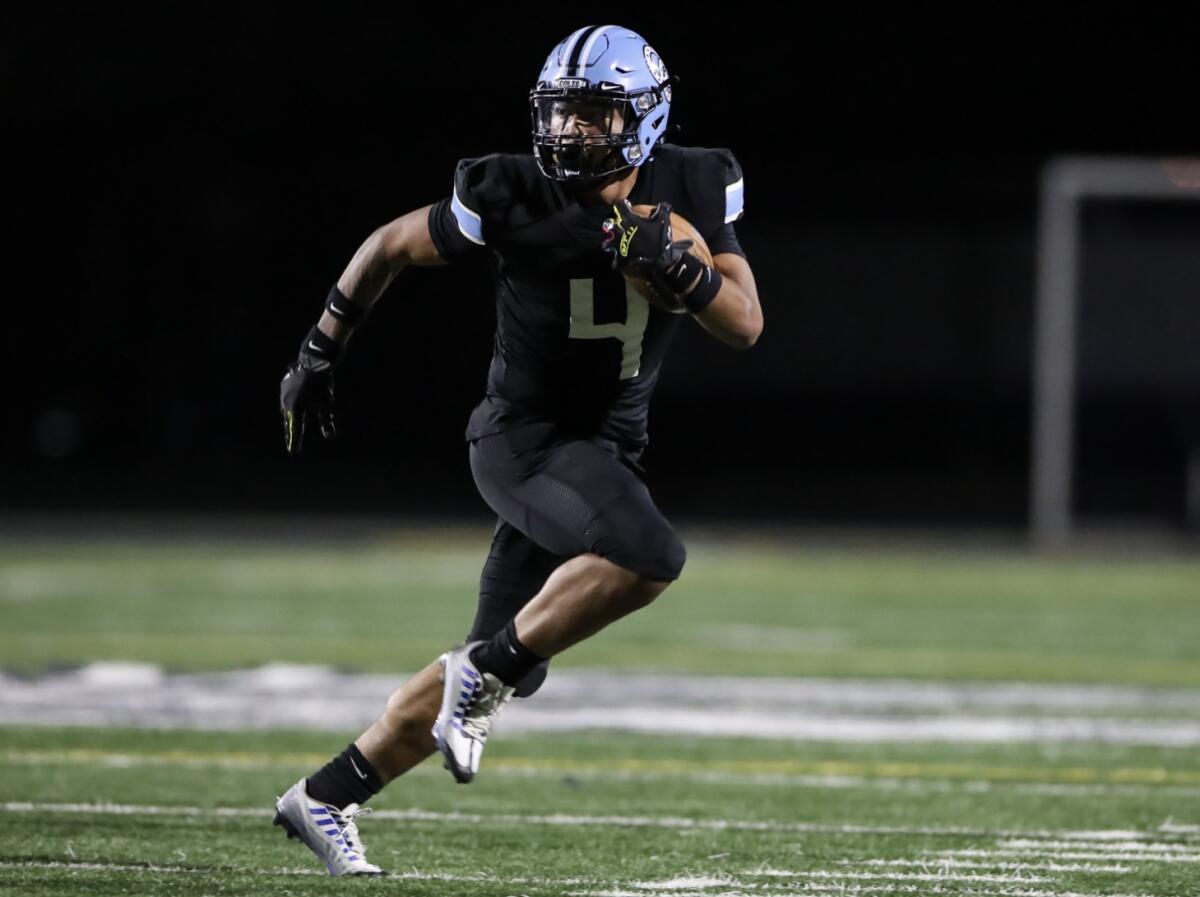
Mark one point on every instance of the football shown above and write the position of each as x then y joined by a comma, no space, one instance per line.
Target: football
681,229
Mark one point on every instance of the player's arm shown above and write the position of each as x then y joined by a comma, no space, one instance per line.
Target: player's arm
306,393
722,297
391,248
734,315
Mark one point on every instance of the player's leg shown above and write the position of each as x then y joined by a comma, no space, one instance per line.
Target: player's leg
515,571
318,809
579,498
572,498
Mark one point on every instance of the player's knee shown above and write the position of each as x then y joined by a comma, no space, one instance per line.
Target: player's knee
665,559
674,557
642,592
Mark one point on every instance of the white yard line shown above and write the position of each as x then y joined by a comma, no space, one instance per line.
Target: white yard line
814,881
944,862
519,768
1114,846
667,822
281,696
970,878
1180,829
845,888
687,881
412,875
1082,855
119,867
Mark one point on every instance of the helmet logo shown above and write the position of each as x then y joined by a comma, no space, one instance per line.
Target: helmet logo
655,64
570,83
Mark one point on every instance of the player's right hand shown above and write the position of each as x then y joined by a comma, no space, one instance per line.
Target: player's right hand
305,399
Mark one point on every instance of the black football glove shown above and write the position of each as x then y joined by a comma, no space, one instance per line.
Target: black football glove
305,399
645,247
306,393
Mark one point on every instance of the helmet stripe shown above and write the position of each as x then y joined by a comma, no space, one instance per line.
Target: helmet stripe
591,42
569,48
576,51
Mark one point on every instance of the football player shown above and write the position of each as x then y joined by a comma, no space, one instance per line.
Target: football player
555,442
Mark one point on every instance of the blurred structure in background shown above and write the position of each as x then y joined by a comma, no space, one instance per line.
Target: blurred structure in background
1118,332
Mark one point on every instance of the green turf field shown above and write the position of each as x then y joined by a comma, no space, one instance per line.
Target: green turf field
778,609
111,811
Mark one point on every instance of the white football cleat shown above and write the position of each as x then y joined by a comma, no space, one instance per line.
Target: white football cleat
328,832
470,702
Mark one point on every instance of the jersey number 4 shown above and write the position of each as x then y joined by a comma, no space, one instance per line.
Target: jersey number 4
629,332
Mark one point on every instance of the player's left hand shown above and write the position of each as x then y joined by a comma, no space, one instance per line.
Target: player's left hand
305,398
642,245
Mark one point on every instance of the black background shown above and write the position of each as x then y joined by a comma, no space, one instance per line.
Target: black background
186,182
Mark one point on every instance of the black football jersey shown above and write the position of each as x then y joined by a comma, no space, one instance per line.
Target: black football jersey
573,346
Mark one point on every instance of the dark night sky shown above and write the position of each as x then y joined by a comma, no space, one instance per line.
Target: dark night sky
189,181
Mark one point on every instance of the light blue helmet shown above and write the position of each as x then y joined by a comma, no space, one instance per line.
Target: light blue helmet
612,82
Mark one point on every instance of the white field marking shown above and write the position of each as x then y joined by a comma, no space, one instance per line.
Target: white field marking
813,887
1114,846
118,867
810,887
846,888
618,893
666,888
413,875
943,862
853,710
518,768
908,876
1015,892
1172,828
686,881
1081,855
1116,834
668,822
734,722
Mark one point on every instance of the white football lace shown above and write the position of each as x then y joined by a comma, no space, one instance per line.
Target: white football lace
350,828
477,721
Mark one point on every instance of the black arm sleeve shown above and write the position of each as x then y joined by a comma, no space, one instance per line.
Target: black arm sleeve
716,184
452,244
463,223
725,240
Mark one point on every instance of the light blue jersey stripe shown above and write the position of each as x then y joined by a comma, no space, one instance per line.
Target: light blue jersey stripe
468,221
734,201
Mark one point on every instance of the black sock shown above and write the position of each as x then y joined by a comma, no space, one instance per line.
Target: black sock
348,778
505,657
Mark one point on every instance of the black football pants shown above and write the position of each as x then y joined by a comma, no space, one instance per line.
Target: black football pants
557,498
